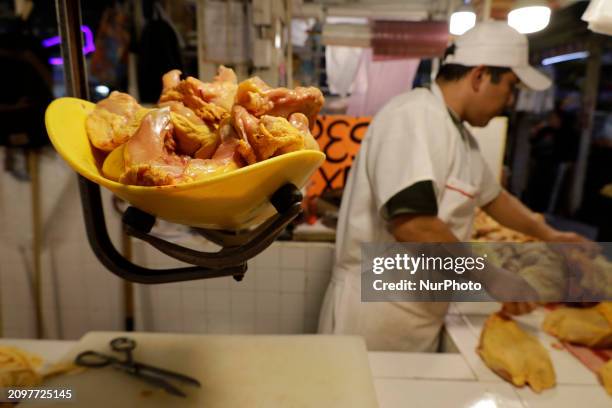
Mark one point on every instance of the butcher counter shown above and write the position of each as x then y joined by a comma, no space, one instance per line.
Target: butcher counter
451,379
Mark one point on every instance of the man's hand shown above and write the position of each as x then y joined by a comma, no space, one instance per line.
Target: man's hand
583,244
567,236
518,308
505,286
510,212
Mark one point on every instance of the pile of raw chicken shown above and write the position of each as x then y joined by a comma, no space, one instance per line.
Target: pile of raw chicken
520,358
201,129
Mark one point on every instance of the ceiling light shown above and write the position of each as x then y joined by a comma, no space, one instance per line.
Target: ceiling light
102,90
565,57
529,16
461,21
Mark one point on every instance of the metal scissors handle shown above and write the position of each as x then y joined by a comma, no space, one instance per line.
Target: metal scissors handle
124,345
95,359
144,372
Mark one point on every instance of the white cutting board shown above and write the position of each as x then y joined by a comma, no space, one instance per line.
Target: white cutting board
235,372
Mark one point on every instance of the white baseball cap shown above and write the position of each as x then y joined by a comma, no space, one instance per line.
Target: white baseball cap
496,44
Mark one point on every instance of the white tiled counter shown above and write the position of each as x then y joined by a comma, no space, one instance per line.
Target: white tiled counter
576,385
398,393
432,380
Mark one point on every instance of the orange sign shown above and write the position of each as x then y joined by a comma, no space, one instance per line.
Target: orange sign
339,137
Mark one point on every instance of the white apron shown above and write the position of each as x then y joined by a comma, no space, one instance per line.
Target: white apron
413,138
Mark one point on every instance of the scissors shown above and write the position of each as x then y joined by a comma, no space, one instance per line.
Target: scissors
149,374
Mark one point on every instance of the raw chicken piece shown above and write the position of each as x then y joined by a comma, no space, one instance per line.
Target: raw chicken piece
259,99
190,132
223,161
114,121
243,126
300,122
605,376
230,140
605,308
170,80
267,136
150,157
211,101
222,91
226,157
587,327
515,355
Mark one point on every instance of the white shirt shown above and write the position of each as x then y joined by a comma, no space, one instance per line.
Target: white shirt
413,138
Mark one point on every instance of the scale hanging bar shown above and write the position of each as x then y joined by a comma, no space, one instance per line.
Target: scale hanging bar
237,247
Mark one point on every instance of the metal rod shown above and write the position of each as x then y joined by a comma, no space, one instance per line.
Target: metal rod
589,103
200,36
69,23
486,12
36,238
106,252
289,61
128,287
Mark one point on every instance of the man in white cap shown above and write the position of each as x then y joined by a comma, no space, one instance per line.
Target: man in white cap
419,176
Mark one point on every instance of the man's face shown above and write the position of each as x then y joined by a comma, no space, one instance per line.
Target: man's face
490,98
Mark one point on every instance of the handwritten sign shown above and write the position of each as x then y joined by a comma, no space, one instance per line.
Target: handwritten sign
339,137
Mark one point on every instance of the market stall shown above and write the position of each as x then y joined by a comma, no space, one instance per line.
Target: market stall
199,257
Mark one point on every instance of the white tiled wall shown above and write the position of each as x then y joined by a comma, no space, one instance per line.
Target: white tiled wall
77,292
281,292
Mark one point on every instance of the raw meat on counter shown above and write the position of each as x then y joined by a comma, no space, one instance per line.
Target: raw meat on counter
589,327
515,355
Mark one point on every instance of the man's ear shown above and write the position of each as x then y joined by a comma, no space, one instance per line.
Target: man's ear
477,77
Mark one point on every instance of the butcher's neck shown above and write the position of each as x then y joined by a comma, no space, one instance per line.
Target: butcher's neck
454,95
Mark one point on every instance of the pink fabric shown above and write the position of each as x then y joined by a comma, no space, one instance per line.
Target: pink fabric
592,359
409,39
377,82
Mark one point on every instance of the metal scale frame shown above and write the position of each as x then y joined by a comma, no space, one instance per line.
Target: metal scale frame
237,246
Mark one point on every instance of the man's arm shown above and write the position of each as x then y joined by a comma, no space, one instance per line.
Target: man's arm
510,212
430,228
420,228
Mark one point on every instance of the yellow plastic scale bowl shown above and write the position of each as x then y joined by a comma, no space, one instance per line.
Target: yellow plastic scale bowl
233,200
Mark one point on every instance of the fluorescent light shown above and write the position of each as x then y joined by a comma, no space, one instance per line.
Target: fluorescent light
88,47
102,90
565,57
529,19
346,20
361,14
461,21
